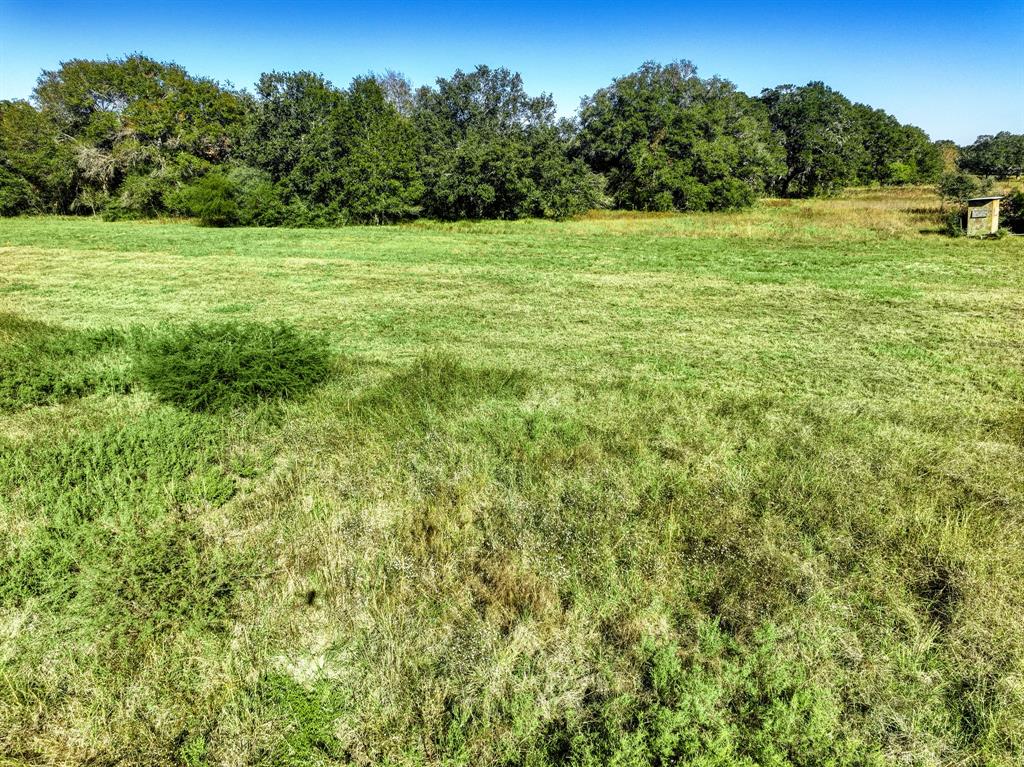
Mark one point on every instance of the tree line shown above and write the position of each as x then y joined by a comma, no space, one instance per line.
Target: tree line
136,138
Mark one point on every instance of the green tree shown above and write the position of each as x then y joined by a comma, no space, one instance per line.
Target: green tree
142,101
38,172
819,127
137,128
1001,155
291,136
958,187
492,151
336,155
379,175
894,153
667,139
949,154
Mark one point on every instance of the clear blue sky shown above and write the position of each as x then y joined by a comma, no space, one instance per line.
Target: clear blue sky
954,72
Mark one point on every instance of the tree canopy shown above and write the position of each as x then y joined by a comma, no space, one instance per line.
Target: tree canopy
1001,155
667,139
135,137
492,151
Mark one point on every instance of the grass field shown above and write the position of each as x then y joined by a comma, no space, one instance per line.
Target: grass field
730,489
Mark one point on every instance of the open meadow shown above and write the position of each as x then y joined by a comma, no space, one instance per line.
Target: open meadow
712,489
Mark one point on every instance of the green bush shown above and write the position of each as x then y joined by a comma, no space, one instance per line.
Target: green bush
210,367
1012,211
953,222
959,187
239,196
259,200
16,195
213,201
730,194
140,196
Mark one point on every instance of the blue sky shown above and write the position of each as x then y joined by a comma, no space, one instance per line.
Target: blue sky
953,72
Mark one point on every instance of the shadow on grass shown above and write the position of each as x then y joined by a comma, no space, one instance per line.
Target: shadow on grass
42,364
436,384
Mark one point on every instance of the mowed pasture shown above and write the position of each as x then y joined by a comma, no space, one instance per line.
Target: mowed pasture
712,489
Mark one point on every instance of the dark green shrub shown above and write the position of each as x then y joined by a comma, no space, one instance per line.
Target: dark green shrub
901,173
730,194
213,200
1011,213
259,200
209,367
16,195
959,187
139,197
953,222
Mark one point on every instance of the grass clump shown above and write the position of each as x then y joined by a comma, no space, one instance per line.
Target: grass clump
305,719
437,384
103,518
42,364
718,703
127,590
225,365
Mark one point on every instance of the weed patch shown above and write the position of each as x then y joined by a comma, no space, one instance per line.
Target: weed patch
42,364
225,365
304,717
109,535
717,704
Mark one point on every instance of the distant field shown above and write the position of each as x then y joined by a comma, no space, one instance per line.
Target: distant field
720,489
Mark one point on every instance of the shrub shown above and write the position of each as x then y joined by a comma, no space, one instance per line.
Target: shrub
259,200
959,187
902,173
213,201
730,194
953,222
209,367
1012,211
140,197
16,195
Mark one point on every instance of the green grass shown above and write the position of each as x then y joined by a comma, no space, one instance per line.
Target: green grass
42,364
732,489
